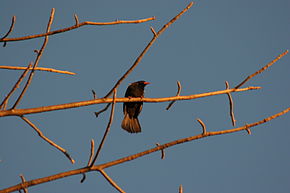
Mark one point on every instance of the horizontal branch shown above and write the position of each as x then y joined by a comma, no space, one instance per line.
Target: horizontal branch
37,68
77,25
19,112
137,155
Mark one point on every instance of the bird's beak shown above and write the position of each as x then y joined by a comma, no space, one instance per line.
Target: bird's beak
146,83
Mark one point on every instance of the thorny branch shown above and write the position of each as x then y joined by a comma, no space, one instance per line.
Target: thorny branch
138,155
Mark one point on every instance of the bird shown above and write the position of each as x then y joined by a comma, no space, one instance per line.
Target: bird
131,110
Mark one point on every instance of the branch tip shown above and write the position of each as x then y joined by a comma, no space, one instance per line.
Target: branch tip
204,132
76,19
162,151
177,94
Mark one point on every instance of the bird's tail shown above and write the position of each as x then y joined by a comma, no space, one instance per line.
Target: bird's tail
131,125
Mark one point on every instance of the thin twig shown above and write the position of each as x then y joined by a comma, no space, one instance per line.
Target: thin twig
137,155
92,152
162,151
46,139
36,61
111,181
153,31
94,94
177,94
107,130
204,132
23,180
9,31
75,27
5,101
90,159
262,69
19,112
102,110
231,105
37,68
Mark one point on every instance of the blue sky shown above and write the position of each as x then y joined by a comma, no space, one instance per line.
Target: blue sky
214,42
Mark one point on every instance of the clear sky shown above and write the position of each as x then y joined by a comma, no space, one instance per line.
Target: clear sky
214,42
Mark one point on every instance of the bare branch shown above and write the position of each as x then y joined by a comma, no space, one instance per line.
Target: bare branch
18,112
111,181
37,68
262,69
141,154
5,101
75,27
46,139
36,61
107,129
231,105
9,31
139,58
177,94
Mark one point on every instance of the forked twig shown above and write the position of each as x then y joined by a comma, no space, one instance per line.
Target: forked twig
36,61
77,25
262,69
46,139
5,101
177,94
37,68
231,105
107,130
111,181
138,155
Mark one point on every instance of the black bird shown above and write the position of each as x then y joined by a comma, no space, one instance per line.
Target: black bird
131,110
